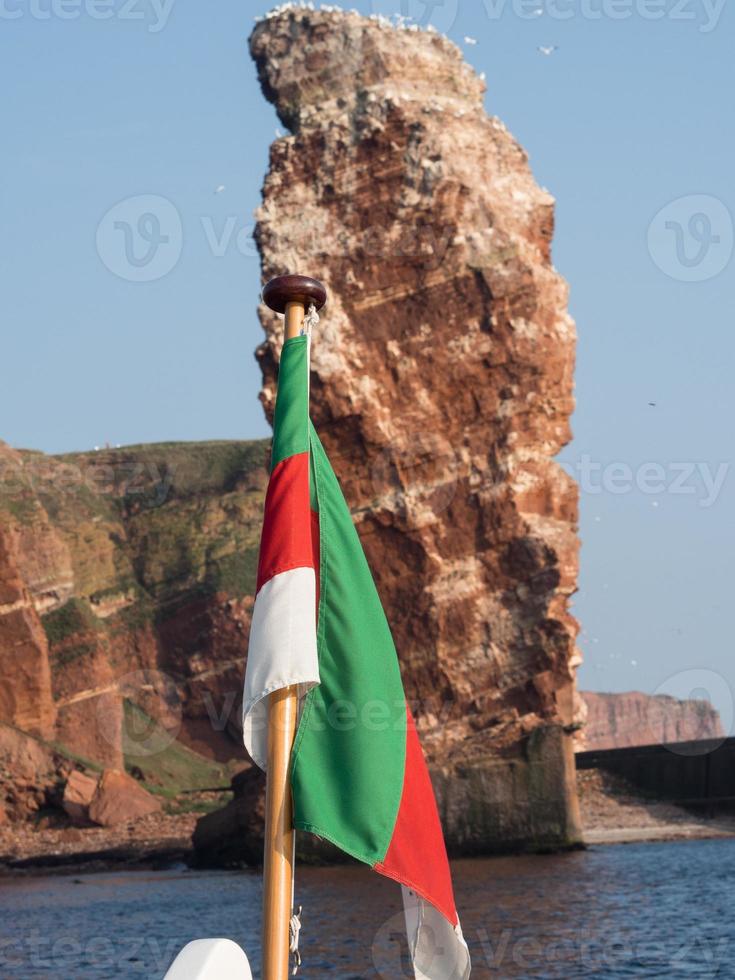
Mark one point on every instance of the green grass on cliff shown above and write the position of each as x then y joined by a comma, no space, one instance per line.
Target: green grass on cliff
141,531
163,522
152,474
197,545
235,573
74,617
22,507
168,767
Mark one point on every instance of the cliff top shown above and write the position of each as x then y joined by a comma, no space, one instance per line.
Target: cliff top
316,63
167,470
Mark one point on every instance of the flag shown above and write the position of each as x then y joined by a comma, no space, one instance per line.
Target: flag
358,774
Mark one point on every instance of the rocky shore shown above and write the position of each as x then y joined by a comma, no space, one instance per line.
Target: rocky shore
158,840
611,814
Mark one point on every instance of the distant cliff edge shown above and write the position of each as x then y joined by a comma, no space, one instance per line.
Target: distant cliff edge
616,721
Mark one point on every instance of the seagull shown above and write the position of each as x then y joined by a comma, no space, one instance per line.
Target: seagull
279,134
218,190
652,404
470,40
547,50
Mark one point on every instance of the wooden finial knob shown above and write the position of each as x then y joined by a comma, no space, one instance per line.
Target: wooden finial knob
293,289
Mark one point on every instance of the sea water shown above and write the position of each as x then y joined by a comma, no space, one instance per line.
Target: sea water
642,910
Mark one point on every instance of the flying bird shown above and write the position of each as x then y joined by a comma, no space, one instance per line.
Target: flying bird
652,404
218,190
548,49
470,40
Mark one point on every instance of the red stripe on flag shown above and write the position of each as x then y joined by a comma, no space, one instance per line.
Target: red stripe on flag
287,540
417,856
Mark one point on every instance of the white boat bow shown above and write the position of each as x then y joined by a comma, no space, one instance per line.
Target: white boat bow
210,959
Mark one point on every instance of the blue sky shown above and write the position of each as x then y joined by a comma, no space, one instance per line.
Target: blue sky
628,123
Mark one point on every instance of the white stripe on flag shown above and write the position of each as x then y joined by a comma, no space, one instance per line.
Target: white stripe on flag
438,950
282,650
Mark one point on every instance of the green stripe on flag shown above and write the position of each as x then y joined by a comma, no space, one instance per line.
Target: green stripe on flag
291,422
349,757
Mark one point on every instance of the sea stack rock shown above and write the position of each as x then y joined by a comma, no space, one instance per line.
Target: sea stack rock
442,386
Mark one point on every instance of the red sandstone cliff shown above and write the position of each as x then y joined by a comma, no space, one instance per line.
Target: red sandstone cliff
615,721
441,381
25,676
442,376
126,581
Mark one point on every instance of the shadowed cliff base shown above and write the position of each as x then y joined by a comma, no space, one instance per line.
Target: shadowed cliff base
612,813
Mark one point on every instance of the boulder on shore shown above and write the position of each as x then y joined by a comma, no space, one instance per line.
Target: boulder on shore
119,799
78,794
233,836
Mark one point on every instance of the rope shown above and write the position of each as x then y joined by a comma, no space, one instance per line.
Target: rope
294,928
310,320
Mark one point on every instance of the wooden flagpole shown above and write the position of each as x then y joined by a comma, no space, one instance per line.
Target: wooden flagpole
289,295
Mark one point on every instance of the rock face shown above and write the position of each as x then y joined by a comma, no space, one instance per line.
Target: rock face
25,676
442,389
126,581
30,772
616,721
